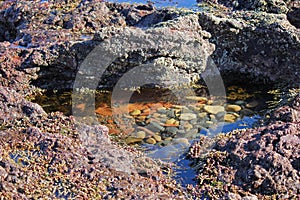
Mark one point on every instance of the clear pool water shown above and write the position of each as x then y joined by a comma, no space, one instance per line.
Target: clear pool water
176,154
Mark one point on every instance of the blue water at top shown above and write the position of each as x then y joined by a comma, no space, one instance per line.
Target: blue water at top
163,3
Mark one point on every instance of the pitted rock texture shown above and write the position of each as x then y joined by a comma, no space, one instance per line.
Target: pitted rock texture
262,161
270,6
44,43
264,46
261,46
53,155
167,55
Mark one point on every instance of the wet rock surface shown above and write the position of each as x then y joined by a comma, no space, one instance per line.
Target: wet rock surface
43,44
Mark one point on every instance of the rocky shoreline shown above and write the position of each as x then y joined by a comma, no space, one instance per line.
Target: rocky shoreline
43,44
262,161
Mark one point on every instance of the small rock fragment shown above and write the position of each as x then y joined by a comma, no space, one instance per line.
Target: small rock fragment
233,108
214,109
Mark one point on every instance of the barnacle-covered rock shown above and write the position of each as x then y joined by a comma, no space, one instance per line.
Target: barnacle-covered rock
288,113
261,161
261,47
201,147
43,43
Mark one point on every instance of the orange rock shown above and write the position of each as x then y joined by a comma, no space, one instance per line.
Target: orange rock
104,111
114,131
152,120
170,125
122,109
168,105
81,106
110,121
202,102
155,105
146,112
146,130
145,107
135,106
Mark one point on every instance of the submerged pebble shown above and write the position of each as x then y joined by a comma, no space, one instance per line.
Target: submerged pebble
167,123
135,112
188,116
150,141
233,108
252,104
229,118
213,109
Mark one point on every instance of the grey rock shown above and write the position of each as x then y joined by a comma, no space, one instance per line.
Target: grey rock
246,112
162,110
170,153
255,58
220,115
240,103
181,141
194,121
171,113
155,127
188,116
172,130
213,109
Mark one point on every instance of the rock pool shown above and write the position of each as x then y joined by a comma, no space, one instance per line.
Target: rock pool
164,130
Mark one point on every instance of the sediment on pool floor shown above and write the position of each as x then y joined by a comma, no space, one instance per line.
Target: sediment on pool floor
156,116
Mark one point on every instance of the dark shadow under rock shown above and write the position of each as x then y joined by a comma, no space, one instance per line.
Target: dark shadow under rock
294,17
10,19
